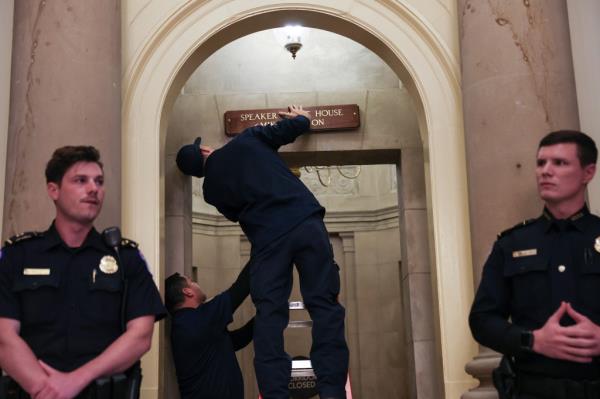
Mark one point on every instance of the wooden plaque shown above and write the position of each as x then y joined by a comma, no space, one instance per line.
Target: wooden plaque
324,118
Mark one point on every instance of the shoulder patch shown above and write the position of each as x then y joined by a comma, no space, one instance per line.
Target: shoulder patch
127,243
516,227
22,237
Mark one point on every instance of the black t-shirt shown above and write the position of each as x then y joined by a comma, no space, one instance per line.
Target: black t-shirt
204,353
68,300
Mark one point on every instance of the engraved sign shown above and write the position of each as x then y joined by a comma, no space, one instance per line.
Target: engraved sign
324,118
303,383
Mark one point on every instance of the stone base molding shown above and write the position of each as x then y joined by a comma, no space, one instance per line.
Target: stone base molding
481,368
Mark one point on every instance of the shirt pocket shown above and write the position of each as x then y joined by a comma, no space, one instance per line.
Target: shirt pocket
103,304
39,298
529,282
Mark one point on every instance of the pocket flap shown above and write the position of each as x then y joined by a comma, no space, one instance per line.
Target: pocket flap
591,264
106,282
524,265
34,282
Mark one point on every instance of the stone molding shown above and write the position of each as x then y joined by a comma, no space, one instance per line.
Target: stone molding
337,222
481,368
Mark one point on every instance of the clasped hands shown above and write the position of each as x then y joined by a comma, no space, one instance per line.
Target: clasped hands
577,343
58,384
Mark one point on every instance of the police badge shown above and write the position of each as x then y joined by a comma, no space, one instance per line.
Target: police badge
108,265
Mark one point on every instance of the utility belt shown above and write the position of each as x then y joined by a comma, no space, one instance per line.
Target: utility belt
117,386
557,388
511,384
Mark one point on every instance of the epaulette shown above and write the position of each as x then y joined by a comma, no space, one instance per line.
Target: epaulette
516,227
127,243
22,237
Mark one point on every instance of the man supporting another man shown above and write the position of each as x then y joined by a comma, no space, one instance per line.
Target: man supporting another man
203,348
61,291
538,301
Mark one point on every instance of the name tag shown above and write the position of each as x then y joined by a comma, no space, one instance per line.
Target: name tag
525,252
30,271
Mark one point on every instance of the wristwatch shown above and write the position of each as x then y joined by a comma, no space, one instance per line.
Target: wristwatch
527,340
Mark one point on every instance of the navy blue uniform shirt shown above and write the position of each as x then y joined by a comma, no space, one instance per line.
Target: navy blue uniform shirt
531,269
69,308
204,351
247,181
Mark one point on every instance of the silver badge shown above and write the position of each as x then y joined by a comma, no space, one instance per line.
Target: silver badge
108,265
597,244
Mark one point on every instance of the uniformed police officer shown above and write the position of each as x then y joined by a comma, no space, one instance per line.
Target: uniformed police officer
61,291
247,181
538,302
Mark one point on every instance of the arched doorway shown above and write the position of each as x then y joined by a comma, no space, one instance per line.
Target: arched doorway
196,30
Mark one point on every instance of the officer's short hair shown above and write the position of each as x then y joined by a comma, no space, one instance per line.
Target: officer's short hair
586,147
65,157
174,285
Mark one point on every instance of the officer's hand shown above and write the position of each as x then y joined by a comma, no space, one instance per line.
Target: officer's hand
59,385
37,388
294,111
587,332
558,342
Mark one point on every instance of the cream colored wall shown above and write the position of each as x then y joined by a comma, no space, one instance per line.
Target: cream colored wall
417,40
585,45
382,367
6,24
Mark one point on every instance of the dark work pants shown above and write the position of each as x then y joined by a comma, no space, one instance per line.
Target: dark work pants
307,246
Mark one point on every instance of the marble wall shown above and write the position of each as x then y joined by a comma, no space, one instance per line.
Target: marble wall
6,23
515,91
65,90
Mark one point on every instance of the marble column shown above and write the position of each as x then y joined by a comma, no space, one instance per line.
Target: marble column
518,85
6,27
65,90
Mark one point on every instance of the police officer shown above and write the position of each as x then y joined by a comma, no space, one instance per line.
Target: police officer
538,302
247,181
61,291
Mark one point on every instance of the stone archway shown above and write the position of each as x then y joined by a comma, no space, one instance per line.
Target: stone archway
193,31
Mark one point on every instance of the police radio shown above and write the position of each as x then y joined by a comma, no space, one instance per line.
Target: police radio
119,386
112,238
